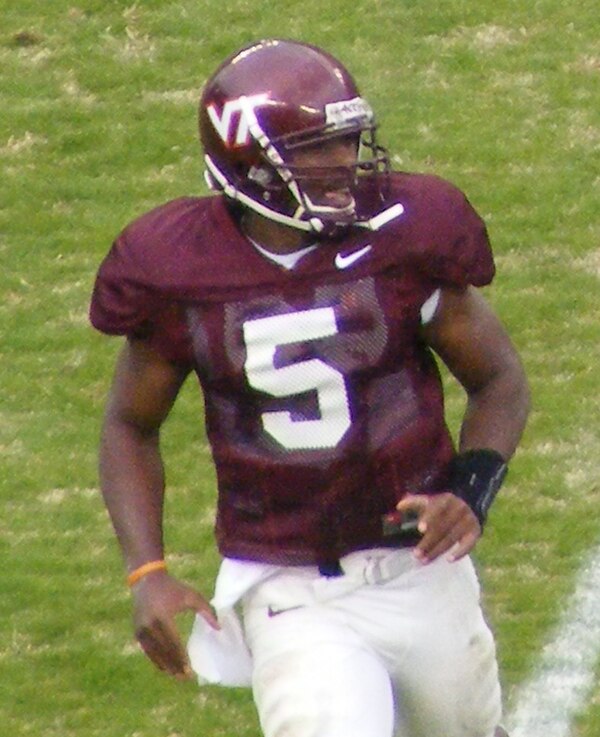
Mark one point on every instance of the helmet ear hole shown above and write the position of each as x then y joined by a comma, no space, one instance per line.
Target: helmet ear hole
261,175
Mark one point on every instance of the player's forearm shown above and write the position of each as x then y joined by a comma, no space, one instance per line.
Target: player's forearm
132,484
497,413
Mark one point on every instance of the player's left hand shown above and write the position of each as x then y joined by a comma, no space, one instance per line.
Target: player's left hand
447,525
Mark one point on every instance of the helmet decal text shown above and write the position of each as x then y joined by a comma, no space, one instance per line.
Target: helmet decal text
340,114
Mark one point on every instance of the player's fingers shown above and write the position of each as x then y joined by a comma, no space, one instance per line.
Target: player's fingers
152,649
427,553
463,547
446,524
414,504
173,647
162,645
437,519
198,604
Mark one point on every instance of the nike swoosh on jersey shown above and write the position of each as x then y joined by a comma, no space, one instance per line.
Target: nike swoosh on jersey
344,261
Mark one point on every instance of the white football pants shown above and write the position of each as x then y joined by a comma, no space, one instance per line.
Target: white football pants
393,647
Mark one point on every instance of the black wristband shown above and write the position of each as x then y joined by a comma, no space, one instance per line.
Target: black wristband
476,476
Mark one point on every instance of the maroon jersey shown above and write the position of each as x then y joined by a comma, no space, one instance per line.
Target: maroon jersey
323,405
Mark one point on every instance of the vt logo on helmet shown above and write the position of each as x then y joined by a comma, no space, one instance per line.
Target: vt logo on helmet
266,103
234,120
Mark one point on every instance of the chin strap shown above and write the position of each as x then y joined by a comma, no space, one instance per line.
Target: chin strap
383,218
475,476
217,181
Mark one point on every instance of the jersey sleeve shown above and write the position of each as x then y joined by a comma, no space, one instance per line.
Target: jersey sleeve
125,301
121,302
462,254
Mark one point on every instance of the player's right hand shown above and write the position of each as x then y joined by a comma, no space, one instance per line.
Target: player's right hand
158,599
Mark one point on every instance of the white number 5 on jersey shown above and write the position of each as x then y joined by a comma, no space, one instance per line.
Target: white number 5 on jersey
262,337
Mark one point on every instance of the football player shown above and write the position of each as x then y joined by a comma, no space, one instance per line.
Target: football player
311,296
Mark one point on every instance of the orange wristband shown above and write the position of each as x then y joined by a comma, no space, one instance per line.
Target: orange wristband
144,570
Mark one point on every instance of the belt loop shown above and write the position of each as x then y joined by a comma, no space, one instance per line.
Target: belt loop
381,568
373,572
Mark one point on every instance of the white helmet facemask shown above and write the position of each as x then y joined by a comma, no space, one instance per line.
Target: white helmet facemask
344,118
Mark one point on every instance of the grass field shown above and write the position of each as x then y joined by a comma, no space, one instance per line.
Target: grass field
98,124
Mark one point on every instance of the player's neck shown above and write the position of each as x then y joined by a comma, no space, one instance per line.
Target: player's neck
273,237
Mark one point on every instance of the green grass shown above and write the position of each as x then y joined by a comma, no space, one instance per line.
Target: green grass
98,124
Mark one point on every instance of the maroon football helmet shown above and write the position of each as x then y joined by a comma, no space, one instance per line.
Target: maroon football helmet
266,101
